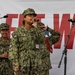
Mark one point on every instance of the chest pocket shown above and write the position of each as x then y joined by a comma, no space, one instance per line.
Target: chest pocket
27,36
26,41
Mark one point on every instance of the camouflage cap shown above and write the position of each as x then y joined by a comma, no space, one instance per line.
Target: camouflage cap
4,26
29,11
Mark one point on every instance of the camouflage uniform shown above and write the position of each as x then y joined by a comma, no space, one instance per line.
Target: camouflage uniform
55,35
22,51
53,38
5,65
28,50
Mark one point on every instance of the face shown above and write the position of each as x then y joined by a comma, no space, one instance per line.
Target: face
4,33
29,18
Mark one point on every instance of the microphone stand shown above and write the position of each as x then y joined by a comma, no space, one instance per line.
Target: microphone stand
1,17
65,51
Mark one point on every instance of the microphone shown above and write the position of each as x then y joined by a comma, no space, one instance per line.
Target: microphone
35,19
72,20
5,16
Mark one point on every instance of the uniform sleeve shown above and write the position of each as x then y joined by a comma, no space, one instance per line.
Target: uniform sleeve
55,36
13,50
40,35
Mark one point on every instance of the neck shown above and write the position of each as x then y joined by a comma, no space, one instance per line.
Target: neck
4,39
28,26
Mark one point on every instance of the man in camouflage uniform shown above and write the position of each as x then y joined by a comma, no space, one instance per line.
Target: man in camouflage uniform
44,53
5,66
28,51
21,51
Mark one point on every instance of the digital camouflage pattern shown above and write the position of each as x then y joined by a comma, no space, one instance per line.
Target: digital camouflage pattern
54,38
4,26
5,65
55,35
23,51
29,11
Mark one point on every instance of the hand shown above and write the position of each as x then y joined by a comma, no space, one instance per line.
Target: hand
35,24
43,27
5,54
16,68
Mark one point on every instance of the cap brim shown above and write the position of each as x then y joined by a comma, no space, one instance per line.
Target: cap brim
4,29
31,14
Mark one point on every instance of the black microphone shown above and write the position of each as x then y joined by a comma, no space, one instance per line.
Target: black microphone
5,16
72,20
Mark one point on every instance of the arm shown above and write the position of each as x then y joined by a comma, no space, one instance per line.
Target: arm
4,55
5,49
55,36
13,51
